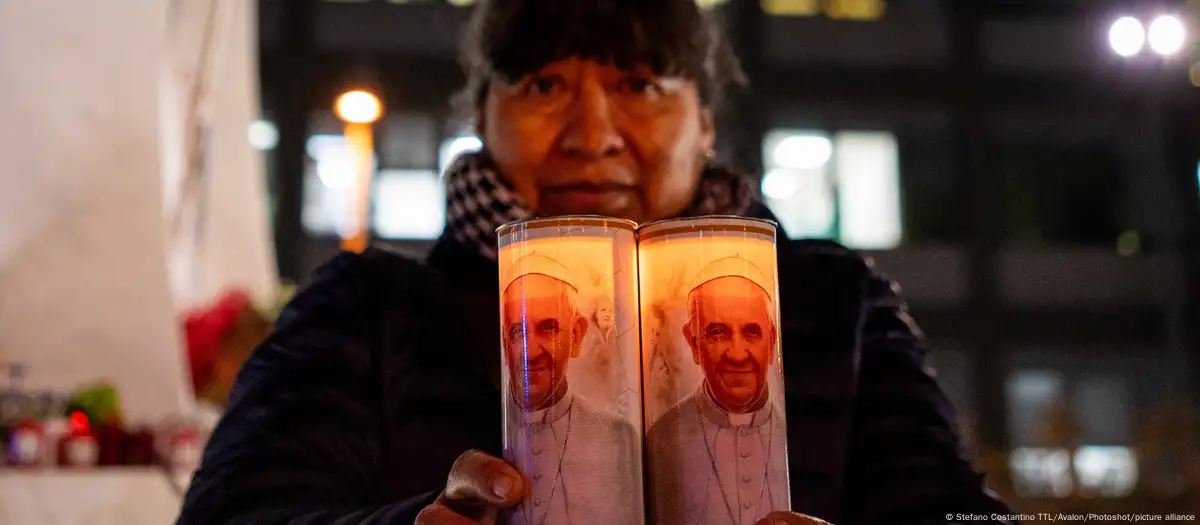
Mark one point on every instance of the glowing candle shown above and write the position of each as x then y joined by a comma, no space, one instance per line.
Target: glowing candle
716,441
570,354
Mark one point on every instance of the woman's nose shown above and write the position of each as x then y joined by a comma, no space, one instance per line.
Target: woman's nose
590,131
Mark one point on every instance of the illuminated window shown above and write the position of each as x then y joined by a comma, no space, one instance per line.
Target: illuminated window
1102,407
1031,395
1041,466
710,4
837,9
328,185
843,186
1050,413
1042,472
325,209
1106,471
408,204
791,7
868,183
855,9
797,185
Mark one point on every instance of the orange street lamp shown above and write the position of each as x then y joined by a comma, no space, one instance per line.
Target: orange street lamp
359,109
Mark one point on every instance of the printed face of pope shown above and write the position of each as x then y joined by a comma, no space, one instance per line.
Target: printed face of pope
732,338
543,330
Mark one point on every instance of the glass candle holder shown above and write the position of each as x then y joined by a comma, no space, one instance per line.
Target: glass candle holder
716,439
571,367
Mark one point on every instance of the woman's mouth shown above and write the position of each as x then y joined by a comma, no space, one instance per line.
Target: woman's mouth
589,198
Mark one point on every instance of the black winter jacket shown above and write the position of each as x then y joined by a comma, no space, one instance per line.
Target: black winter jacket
385,369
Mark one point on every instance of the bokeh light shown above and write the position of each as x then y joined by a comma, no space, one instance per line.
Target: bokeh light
1127,36
263,135
1167,35
358,107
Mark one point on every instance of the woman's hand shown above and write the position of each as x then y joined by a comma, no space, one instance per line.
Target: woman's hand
790,518
478,487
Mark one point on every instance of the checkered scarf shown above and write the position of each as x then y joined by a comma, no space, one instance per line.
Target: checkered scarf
479,200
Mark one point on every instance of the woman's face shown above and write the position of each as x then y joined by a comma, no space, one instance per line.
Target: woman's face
582,137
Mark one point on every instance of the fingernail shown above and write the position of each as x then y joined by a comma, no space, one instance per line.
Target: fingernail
502,485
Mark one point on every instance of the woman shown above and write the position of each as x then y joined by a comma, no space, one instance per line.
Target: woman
376,399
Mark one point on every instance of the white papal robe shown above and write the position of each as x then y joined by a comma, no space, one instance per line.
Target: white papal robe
583,465
708,466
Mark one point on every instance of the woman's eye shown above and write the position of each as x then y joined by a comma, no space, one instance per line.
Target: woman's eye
541,85
642,86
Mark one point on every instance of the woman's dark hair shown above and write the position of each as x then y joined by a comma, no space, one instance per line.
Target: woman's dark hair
512,38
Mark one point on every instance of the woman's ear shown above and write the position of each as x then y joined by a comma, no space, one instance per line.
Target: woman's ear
708,132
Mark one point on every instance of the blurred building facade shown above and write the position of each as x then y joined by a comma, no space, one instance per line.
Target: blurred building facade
1034,192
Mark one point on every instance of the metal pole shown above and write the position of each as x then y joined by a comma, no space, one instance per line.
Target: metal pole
294,95
983,230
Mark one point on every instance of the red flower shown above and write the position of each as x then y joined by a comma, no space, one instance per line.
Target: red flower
205,329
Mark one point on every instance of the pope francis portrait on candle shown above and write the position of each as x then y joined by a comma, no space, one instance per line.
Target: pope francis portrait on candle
582,463
719,456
